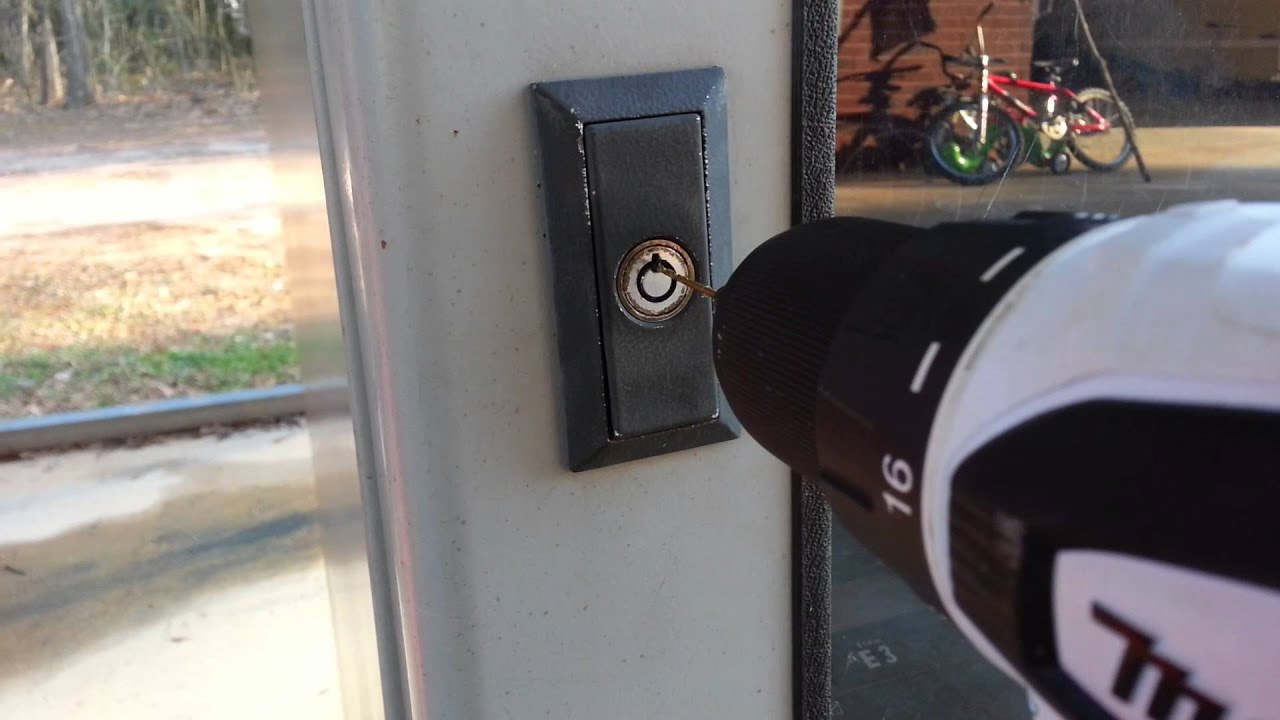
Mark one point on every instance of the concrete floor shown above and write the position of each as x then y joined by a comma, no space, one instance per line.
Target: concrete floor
182,579
1187,165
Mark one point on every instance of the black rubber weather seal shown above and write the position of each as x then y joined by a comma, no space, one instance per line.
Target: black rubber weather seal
815,30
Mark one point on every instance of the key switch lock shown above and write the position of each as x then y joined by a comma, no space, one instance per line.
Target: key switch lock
646,294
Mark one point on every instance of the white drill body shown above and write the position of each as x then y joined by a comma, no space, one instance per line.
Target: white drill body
1178,307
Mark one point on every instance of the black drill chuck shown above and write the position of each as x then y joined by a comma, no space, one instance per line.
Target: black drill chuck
835,340
775,320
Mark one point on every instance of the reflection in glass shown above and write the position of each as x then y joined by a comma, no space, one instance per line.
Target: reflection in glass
893,656
1200,79
221,574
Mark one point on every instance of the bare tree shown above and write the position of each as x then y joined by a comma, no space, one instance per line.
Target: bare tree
70,50
105,41
74,46
202,35
179,26
50,67
26,55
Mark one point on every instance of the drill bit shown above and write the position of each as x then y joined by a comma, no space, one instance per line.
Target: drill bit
693,285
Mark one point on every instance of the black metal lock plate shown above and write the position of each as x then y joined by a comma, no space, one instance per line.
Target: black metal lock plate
646,181
627,160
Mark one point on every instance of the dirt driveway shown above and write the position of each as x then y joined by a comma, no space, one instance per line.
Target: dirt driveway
140,246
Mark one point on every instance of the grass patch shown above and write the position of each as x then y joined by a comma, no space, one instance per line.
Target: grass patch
78,378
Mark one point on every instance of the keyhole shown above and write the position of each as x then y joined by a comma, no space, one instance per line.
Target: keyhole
645,291
650,272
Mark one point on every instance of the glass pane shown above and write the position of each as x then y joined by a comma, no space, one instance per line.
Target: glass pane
182,578
894,656
144,230
140,249
1199,78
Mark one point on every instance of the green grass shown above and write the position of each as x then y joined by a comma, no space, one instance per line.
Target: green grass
78,378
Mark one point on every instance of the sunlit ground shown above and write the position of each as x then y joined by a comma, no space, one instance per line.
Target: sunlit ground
180,579
1187,164
140,259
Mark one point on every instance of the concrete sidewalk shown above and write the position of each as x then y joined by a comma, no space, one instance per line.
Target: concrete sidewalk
179,579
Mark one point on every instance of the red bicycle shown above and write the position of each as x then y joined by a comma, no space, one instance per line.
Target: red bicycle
978,138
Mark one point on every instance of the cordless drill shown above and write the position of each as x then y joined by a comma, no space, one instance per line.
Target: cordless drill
1063,430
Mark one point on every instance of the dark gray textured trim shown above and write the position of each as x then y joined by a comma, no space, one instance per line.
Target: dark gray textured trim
815,30
561,109
815,27
812,601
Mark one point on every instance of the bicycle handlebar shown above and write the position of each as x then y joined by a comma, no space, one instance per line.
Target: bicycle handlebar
970,61
945,59
973,61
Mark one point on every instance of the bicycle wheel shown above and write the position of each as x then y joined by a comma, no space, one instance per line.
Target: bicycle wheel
1104,151
964,157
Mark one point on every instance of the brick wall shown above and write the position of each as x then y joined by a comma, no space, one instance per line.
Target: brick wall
875,31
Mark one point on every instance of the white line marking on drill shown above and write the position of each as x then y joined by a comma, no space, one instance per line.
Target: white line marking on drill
1002,263
926,362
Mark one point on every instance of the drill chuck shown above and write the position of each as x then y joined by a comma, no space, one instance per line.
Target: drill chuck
777,316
